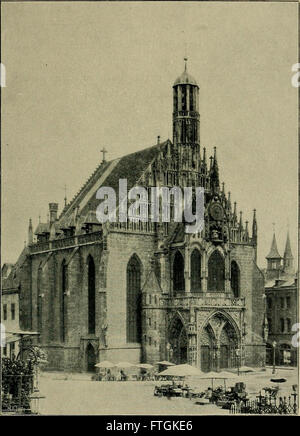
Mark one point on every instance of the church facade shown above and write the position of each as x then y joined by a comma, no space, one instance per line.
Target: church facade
146,291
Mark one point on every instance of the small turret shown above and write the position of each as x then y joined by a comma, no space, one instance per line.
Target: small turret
30,232
234,213
247,230
241,222
273,260
254,227
254,234
53,208
223,189
186,118
229,202
204,158
214,173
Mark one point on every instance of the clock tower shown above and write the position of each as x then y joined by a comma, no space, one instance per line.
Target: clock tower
186,120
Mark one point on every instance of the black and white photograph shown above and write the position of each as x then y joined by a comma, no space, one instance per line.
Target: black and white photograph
149,210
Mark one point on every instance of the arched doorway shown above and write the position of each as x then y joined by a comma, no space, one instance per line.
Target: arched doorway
228,347
178,341
219,344
207,349
90,358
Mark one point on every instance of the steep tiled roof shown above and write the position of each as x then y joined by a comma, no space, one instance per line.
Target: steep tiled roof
44,228
288,251
129,167
13,279
284,281
273,254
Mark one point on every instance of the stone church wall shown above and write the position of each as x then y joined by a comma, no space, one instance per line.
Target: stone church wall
121,247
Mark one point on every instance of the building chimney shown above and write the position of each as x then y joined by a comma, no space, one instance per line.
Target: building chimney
53,208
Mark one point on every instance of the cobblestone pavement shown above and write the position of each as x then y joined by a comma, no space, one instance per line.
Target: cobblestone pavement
72,394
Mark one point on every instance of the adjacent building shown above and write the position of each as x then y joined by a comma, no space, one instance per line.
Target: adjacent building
10,314
281,289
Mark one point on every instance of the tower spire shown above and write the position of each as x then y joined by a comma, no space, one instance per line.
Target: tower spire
273,253
234,212
274,266
185,63
229,201
246,230
65,199
254,226
30,232
186,119
204,156
241,221
288,257
214,175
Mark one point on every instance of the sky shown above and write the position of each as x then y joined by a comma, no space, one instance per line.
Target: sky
80,77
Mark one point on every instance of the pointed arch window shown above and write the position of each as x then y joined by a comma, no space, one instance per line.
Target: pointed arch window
195,271
157,269
178,273
183,98
134,307
191,98
39,302
216,273
235,279
175,100
63,300
91,296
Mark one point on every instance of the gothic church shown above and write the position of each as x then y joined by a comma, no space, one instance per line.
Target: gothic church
145,291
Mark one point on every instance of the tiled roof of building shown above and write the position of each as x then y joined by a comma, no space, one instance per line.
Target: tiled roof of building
129,167
42,228
13,279
284,281
288,251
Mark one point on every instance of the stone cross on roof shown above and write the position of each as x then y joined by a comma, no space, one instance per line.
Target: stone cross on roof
103,151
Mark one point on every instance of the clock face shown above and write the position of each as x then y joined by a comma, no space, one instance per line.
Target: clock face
216,211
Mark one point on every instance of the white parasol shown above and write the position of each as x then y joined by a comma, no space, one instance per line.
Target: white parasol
124,365
144,365
165,363
105,364
183,370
